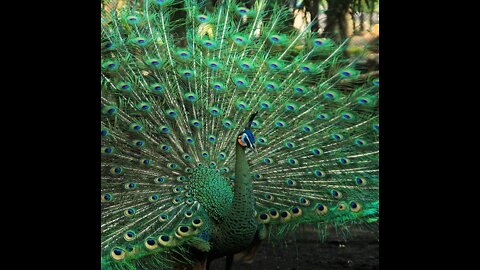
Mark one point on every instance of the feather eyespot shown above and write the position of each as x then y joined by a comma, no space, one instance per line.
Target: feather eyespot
129,235
296,211
107,197
355,207
129,212
321,209
117,253
360,181
150,243
264,218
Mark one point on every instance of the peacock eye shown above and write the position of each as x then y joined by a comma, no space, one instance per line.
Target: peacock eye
129,212
304,201
165,240
242,10
109,110
130,185
341,206
107,197
360,181
343,161
336,194
177,200
355,207
215,111
188,214
316,151
293,161
189,201
264,218
129,235
285,215
150,243
318,173
163,217
153,198
183,231
116,170
290,182
321,209
197,222
118,253
275,38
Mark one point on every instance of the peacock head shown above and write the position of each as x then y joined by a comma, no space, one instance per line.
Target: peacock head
246,137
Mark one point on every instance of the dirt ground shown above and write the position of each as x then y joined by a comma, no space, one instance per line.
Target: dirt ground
360,251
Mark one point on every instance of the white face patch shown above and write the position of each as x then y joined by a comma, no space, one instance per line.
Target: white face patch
246,140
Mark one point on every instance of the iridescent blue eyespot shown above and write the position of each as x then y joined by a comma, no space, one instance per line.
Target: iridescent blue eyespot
151,242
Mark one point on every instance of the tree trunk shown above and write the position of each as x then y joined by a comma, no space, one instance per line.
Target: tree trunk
337,13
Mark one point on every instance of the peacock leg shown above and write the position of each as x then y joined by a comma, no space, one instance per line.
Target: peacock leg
229,262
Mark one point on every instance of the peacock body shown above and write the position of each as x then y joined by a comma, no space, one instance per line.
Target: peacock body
183,95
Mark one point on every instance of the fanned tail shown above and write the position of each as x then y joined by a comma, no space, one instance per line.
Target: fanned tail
177,90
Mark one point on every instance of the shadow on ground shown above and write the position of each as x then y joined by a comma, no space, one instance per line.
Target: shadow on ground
360,251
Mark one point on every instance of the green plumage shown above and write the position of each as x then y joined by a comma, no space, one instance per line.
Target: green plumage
176,92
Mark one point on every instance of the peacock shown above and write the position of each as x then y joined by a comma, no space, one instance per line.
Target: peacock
221,127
